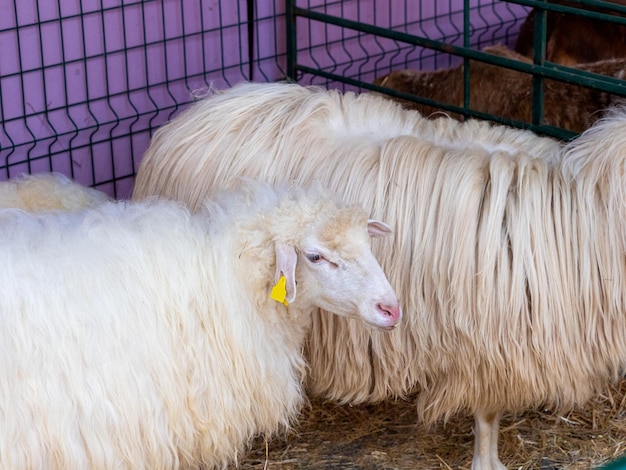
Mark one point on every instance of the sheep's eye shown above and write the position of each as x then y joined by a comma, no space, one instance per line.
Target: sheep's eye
314,257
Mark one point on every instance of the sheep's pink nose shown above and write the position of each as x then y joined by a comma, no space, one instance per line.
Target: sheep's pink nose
393,311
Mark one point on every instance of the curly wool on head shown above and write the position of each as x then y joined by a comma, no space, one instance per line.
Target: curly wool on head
507,254
139,335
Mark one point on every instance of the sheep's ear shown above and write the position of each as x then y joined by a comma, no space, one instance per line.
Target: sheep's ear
286,259
378,229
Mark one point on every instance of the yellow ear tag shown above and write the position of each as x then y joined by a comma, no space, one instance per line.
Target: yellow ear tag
279,291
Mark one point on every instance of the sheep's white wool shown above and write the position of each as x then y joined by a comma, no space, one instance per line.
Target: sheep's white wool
47,191
508,251
289,130
136,335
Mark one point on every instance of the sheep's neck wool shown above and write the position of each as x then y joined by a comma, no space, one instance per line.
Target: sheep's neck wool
279,291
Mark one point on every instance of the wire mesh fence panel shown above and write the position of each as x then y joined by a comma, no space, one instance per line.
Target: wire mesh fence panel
470,45
268,40
83,84
350,47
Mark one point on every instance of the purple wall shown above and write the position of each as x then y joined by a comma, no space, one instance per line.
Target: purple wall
84,84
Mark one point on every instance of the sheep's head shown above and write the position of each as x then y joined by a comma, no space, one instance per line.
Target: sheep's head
334,262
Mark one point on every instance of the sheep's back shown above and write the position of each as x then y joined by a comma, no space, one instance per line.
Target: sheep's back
126,344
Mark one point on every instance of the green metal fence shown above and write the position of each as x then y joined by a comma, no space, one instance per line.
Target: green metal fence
83,85
302,15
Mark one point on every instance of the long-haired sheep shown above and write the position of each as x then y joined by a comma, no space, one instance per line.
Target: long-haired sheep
136,335
507,92
48,191
508,255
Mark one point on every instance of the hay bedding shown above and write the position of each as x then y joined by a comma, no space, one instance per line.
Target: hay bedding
386,436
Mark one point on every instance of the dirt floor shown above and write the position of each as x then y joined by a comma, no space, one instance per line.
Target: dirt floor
387,436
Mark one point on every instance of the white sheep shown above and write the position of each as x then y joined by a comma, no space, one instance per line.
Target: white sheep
136,335
507,254
48,191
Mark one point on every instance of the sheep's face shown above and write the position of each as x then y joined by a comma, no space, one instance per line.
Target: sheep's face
341,274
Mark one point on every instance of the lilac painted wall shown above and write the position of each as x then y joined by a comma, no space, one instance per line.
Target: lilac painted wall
84,84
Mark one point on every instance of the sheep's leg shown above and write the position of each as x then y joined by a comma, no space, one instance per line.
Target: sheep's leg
487,428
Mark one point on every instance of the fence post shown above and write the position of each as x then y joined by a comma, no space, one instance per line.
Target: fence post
292,43
539,57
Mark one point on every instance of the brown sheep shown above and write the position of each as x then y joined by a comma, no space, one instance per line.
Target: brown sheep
508,93
593,41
